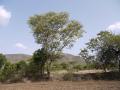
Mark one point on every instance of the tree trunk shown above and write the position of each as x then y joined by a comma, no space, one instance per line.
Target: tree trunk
41,71
48,69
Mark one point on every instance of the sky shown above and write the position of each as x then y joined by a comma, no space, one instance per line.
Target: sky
94,15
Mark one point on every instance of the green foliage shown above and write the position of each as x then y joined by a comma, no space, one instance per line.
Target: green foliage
101,41
77,67
64,66
84,54
32,70
56,67
106,48
59,66
21,68
40,56
8,72
13,72
2,60
54,30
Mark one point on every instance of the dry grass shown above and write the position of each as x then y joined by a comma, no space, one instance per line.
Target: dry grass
64,85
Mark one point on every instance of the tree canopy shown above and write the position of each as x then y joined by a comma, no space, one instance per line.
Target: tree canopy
106,47
54,31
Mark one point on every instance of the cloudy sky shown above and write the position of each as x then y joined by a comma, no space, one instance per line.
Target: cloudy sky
94,15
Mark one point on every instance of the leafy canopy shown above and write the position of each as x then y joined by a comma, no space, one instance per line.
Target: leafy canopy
54,31
106,47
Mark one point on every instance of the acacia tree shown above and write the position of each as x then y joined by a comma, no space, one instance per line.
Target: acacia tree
55,31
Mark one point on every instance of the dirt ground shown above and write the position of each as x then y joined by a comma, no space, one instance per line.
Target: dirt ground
64,85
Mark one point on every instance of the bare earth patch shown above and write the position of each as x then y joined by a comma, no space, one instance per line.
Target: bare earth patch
64,85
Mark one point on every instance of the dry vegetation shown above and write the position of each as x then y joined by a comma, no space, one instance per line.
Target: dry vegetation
64,85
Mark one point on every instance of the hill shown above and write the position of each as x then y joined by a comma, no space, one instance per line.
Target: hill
17,57
65,58
69,58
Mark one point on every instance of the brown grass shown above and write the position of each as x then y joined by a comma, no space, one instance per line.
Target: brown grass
64,85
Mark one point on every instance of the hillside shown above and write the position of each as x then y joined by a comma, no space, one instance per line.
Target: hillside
65,58
17,57
69,57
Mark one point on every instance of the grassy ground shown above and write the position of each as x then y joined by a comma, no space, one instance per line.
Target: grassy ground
64,85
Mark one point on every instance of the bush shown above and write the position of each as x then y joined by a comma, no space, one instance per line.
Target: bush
2,60
56,66
68,77
21,68
32,70
8,72
77,67
64,66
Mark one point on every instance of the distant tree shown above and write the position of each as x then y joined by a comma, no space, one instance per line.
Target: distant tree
54,31
2,60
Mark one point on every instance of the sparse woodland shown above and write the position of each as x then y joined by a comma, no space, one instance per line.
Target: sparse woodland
54,32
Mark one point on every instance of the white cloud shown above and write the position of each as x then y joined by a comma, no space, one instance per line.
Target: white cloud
114,27
5,16
20,45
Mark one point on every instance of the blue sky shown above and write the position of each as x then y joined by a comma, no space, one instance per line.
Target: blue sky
94,15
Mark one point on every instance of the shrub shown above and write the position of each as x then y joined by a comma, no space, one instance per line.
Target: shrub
64,65
56,66
21,68
77,67
68,77
2,60
8,72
